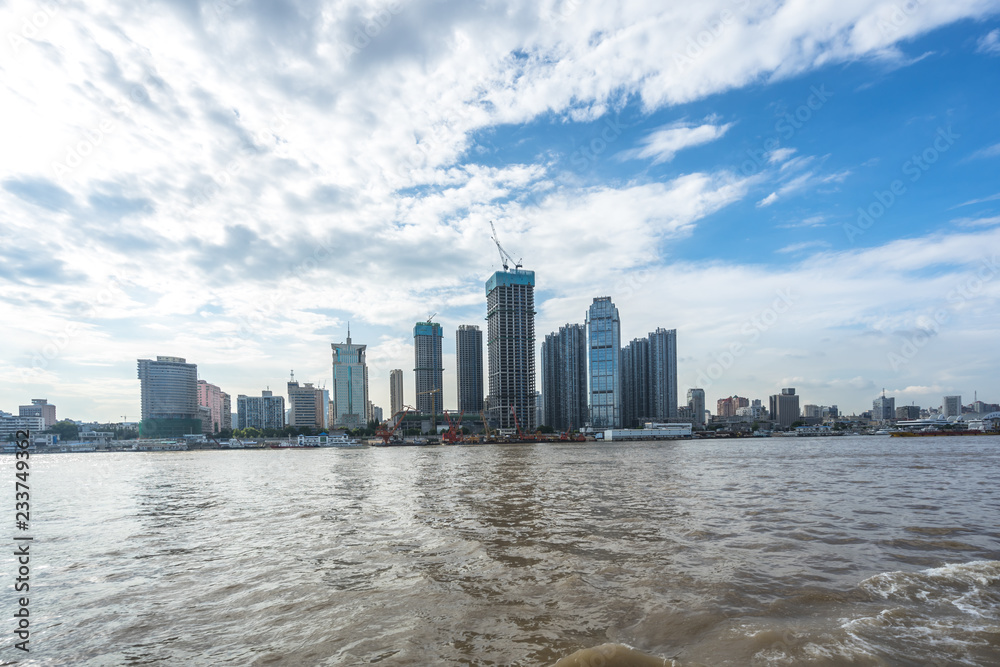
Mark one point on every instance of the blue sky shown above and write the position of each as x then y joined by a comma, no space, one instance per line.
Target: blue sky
233,181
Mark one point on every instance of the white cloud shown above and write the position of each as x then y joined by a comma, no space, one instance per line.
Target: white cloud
989,43
664,143
768,200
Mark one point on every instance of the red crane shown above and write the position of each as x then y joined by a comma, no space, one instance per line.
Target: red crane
385,432
453,434
520,434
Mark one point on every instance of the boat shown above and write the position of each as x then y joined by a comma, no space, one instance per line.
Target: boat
342,441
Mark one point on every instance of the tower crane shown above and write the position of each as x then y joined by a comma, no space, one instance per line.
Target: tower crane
505,257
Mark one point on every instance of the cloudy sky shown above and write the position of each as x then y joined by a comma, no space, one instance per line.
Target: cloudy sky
807,191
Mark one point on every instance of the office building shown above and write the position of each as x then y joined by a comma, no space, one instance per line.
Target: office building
39,408
696,403
510,331
907,412
349,403
663,376
169,397
264,411
469,368
883,408
604,391
396,391
784,407
811,411
635,370
952,406
10,424
564,378
428,368
305,405
227,412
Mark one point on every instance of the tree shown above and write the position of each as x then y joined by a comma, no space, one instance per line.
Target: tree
545,428
796,424
66,430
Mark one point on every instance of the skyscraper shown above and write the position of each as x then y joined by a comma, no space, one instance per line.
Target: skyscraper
350,385
169,397
510,317
428,369
604,364
952,406
635,383
884,408
564,377
784,407
663,376
469,362
696,403
395,391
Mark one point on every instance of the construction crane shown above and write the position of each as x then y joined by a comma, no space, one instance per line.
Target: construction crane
430,317
453,434
385,432
433,406
505,257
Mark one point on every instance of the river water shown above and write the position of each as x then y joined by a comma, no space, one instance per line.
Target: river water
783,551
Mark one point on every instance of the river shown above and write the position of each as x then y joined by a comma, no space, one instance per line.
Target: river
782,551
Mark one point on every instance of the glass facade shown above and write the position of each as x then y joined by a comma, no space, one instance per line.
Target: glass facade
604,360
510,317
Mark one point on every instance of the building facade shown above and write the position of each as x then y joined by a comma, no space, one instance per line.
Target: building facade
349,403
696,403
396,391
510,317
784,407
428,368
227,412
635,370
604,392
169,397
469,368
564,377
952,406
663,375
884,408
39,408
305,405
264,411
210,396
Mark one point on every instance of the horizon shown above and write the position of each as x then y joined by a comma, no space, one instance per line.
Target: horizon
809,197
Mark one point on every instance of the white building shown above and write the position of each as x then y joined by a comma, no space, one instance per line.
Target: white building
349,402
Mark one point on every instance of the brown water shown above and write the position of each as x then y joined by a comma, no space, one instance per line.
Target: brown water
826,551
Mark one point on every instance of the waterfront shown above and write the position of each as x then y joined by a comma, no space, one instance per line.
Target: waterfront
732,552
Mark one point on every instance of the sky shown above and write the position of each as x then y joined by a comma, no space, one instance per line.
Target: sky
807,192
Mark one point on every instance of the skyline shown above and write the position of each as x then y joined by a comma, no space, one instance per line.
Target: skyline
808,196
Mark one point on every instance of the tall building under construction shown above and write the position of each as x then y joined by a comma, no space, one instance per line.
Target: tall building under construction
510,317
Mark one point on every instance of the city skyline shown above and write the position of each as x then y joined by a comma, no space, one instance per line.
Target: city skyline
809,198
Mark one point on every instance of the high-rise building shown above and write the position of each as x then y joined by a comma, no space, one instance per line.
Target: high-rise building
350,385
564,377
812,411
210,396
635,383
784,407
428,368
264,411
305,405
952,406
227,412
696,403
883,408
905,412
396,391
169,397
469,363
663,376
39,408
604,390
510,317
